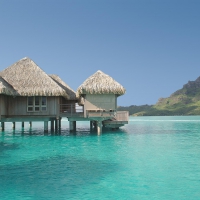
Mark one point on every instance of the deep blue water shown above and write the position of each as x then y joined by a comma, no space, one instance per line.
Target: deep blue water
150,158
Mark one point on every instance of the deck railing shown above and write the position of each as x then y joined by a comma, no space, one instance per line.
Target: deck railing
122,116
100,113
71,110
74,110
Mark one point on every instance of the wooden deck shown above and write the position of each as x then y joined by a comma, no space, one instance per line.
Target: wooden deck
110,119
119,120
71,110
113,119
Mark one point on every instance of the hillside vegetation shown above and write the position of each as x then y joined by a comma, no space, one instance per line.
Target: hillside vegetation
185,101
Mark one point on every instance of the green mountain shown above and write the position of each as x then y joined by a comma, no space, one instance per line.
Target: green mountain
185,101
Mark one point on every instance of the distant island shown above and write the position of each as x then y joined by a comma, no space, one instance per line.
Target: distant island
185,101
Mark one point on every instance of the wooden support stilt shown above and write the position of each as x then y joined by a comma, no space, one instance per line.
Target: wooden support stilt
13,126
99,127
2,126
95,124
52,125
91,125
30,124
56,124
45,126
59,123
22,124
72,126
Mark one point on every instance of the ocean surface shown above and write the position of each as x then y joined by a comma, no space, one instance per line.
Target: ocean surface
150,158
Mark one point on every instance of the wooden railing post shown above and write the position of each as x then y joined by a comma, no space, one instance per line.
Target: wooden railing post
69,110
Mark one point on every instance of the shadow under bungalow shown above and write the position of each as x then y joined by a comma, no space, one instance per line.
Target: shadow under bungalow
28,94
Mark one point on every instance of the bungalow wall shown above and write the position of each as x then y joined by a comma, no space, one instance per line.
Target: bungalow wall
17,106
3,100
100,102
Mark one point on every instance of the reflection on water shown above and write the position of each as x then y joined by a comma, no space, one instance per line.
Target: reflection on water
8,146
53,176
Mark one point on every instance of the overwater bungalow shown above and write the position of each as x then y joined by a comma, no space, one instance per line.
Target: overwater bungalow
28,94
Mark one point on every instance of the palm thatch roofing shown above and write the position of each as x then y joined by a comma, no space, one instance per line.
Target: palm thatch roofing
100,83
28,79
6,88
62,84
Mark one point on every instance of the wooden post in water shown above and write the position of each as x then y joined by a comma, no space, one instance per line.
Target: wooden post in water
45,126
30,124
2,126
95,124
59,124
72,126
91,125
99,127
56,125
52,125
13,126
22,124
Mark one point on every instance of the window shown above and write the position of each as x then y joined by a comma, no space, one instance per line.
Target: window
36,104
44,103
30,103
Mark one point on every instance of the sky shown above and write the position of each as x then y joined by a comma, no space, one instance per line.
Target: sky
151,47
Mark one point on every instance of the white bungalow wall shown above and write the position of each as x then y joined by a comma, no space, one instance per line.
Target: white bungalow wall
100,102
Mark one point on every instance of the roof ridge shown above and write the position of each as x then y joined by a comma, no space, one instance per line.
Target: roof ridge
28,79
100,83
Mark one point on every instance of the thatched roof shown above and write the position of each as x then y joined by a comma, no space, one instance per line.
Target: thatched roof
30,80
6,88
100,83
62,84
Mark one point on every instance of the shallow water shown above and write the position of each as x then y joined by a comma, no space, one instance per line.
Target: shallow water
150,158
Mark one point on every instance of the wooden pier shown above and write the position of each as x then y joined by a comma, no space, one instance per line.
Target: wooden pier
73,113
108,119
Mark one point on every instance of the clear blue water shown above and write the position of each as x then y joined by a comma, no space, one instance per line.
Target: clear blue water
150,158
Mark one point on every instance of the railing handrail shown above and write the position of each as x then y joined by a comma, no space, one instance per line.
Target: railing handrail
100,113
76,110
122,116
71,109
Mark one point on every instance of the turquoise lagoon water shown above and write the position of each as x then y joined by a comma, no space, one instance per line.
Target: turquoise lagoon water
150,158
